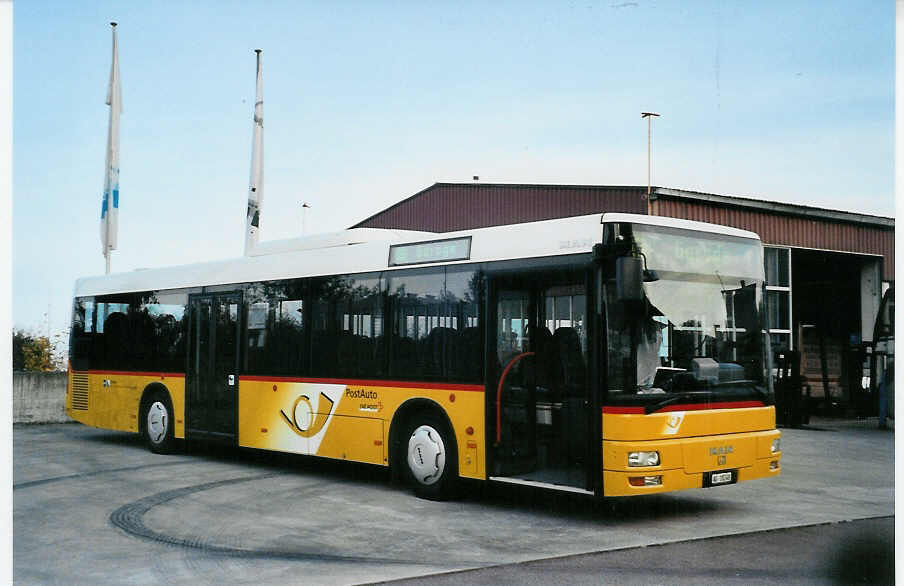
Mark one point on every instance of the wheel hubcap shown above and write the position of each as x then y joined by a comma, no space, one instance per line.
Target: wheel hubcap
426,455
158,421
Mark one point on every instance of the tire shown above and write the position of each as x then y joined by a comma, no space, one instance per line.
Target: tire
157,423
429,457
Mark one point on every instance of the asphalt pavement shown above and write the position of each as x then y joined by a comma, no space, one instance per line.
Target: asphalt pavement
850,552
94,506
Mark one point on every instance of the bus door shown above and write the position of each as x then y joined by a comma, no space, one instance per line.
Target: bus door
541,398
213,362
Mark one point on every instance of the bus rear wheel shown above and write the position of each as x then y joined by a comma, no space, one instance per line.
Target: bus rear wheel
431,458
157,424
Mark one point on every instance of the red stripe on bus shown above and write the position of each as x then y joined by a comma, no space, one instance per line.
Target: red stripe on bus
370,383
130,373
622,410
687,407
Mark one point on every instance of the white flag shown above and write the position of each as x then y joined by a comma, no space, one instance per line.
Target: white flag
256,184
109,211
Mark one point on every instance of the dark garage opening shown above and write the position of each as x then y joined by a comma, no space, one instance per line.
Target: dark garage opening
826,326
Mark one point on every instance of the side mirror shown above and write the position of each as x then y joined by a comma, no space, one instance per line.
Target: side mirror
629,278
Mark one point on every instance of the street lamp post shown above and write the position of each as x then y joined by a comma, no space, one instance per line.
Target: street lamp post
305,206
649,116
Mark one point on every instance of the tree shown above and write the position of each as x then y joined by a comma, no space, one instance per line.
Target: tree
20,339
32,353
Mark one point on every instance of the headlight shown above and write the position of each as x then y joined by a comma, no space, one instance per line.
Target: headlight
777,445
643,459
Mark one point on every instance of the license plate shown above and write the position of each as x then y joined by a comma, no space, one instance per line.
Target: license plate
721,478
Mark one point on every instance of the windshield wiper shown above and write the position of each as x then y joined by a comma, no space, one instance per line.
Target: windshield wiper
653,407
703,395
756,389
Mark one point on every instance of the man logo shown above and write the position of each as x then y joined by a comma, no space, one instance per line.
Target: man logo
721,454
304,421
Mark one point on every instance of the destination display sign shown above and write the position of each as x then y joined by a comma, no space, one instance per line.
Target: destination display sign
427,252
669,249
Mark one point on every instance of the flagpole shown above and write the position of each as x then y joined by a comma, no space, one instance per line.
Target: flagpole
109,213
107,182
107,251
256,183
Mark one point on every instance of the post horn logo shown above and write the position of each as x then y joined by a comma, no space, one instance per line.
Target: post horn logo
673,423
304,421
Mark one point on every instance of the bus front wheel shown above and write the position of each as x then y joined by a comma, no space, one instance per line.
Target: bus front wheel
157,424
431,458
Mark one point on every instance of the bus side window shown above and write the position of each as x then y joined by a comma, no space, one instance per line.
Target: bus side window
346,322
82,337
417,309
620,377
570,366
275,328
116,341
435,332
288,335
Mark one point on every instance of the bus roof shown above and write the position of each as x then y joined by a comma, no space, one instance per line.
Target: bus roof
679,223
367,250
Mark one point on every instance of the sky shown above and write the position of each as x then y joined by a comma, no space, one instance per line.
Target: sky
367,103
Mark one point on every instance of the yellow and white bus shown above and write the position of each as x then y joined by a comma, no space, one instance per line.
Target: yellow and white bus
610,354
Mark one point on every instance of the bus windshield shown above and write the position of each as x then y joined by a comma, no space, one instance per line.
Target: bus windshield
697,336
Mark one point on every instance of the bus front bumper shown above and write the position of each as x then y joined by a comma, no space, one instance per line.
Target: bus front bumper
697,462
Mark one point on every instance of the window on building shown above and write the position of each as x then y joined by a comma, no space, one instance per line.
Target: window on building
777,261
778,296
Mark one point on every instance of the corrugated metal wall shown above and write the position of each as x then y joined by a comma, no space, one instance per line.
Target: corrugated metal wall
789,230
445,207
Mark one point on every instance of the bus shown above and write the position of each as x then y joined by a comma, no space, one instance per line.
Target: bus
608,354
